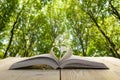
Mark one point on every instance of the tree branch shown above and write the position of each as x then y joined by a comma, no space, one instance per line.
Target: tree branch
113,46
12,33
114,10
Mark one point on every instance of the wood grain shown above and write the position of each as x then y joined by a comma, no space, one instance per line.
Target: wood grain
113,73
89,75
29,75
34,74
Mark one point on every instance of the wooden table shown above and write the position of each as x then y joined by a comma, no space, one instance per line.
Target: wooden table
113,73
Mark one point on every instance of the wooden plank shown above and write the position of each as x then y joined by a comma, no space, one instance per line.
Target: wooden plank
40,75
29,75
112,73
33,74
114,64
6,63
89,75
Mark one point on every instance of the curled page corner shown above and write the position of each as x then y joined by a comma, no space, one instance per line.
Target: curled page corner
67,55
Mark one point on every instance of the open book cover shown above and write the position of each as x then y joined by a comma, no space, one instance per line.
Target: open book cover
68,61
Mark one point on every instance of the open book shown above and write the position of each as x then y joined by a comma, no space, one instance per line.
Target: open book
68,61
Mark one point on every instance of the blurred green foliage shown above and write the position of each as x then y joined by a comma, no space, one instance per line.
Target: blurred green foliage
33,27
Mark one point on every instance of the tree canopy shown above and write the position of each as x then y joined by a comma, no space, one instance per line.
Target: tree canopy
33,27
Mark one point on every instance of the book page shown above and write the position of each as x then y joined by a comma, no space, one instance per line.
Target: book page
53,55
82,62
44,59
62,51
67,55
